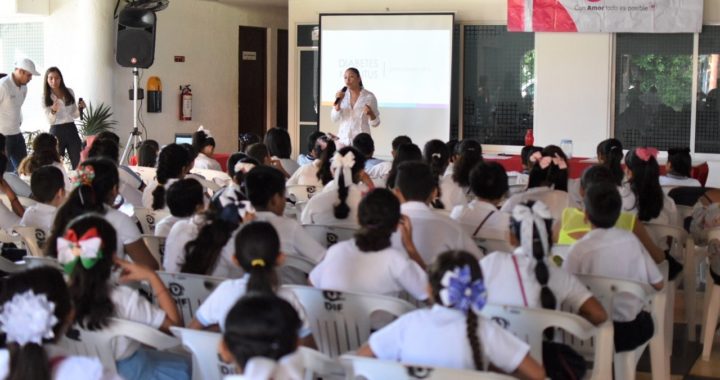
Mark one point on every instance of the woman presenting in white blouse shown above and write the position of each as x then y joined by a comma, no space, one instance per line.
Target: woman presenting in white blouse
355,113
61,110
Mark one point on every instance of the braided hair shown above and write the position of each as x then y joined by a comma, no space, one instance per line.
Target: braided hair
436,154
342,210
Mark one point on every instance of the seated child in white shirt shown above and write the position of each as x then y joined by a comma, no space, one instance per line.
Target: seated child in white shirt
37,308
368,263
260,153
48,187
204,144
173,163
260,338
678,168
469,154
405,152
612,252
184,198
450,195
97,298
481,217
131,184
238,166
279,147
257,253
317,172
453,324
379,173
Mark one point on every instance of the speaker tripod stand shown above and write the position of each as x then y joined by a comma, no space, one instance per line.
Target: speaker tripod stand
135,137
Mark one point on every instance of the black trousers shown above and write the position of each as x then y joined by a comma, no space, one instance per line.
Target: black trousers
68,139
630,335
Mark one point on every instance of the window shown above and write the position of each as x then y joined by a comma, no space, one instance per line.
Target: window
707,134
499,84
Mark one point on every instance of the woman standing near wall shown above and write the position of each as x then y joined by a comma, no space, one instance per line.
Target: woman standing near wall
355,113
61,110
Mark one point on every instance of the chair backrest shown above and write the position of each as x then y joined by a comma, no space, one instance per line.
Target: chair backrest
189,291
488,245
146,217
529,325
340,321
24,201
329,235
516,188
220,178
295,270
555,200
662,232
156,245
9,238
605,289
36,262
33,238
8,266
301,193
203,345
373,369
147,174
99,343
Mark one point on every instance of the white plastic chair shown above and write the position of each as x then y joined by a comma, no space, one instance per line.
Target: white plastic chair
358,367
203,345
559,253
555,200
218,177
36,262
295,270
340,321
24,201
10,267
189,291
488,245
529,325
605,289
147,174
79,341
33,238
147,219
301,193
710,319
156,246
329,235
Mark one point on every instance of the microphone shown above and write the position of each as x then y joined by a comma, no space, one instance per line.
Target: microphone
337,100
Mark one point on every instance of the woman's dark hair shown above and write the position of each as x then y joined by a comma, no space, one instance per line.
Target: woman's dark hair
488,180
542,273
239,176
261,325
90,288
342,210
645,184
148,153
278,143
470,152
47,91
262,183
437,156
312,140
324,174
30,361
184,196
202,253
258,152
356,72
200,139
680,160
610,154
45,152
378,215
245,140
405,152
551,176
526,152
172,161
449,261
85,198
257,248
452,148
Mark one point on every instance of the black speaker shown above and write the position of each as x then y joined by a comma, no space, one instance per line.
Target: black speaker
136,38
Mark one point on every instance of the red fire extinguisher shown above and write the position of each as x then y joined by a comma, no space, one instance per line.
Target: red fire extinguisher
185,102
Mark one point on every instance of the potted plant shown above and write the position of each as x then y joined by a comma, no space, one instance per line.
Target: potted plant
96,120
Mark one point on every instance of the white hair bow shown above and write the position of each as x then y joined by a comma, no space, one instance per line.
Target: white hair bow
529,217
344,163
243,167
287,367
28,318
207,132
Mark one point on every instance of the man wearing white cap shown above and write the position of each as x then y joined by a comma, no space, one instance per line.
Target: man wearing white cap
13,89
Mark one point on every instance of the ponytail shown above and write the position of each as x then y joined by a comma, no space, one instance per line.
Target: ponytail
470,152
347,160
611,150
29,361
645,183
342,210
257,248
379,215
158,194
474,339
202,253
324,174
436,154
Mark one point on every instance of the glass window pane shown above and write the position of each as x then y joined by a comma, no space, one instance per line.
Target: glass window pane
499,84
707,133
653,89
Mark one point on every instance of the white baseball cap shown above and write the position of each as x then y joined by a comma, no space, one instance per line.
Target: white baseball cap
27,65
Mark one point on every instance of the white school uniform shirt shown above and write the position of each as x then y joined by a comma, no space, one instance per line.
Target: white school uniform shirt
217,305
306,175
127,231
293,238
352,119
39,215
130,187
433,233
67,113
451,194
386,272
614,253
8,219
320,208
204,162
503,287
163,227
496,226
673,180
289,367
437,337
71,367
379,173
131,305
668,215
11,100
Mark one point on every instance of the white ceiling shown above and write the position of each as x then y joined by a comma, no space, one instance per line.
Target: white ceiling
266,3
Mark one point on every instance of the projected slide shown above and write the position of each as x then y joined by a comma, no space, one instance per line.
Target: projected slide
405,60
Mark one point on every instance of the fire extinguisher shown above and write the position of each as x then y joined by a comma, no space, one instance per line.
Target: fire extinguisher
185,102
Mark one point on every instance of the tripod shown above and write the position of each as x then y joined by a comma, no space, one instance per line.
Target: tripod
135,136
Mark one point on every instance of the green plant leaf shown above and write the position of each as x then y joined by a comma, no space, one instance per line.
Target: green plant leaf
97,119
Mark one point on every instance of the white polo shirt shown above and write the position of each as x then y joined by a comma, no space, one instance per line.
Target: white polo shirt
496,226
39,215
321,207
66,113
387,272
379,173
204,162
503,287
614,253
433,233
306,175
163,227
437,337
672,180
293,238
127,231
451,194
11,100
130,305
